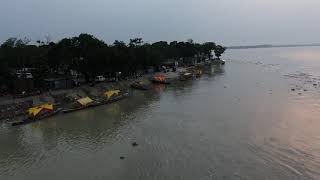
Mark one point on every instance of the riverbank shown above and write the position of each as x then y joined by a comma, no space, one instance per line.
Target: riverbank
239,121
13,109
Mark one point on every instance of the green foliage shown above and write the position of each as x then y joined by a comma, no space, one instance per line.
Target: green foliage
91,56
219,50
10,43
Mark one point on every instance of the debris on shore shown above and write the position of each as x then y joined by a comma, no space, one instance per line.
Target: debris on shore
14,109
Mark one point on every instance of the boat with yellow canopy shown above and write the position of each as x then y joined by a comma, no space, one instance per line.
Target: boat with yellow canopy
39,113
114,95
108,97
82,103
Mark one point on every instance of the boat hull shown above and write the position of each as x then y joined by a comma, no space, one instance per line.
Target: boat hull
32,120
140,87
118,98
160,82
70,110
115,99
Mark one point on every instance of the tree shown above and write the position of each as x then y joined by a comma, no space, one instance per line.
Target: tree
207,48
88,55
20,43
17,53
136,42
9,43
219,50
91,56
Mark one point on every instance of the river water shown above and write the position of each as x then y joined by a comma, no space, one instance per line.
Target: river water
240,121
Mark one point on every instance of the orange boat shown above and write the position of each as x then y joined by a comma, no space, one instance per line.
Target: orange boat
160,78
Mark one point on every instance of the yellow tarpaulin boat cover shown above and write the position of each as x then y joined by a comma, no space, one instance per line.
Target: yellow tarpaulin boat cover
111,93
47,106
36,110
85,101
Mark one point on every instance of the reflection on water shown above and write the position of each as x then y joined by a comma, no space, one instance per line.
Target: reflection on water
238,121
302,54
293,142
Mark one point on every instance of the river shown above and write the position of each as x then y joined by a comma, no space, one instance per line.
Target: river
257,117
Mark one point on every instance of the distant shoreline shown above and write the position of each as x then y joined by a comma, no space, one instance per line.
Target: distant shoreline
273,46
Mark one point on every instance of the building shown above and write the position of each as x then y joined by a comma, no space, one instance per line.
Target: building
58,83
21,85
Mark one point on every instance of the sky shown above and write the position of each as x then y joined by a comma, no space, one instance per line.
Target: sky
228,22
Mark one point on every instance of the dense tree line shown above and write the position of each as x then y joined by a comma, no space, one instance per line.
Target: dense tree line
91,56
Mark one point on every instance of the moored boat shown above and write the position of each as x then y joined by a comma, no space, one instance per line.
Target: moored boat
69,110
113,96
39,113
159,82
160,79
186,76
81,104
85,103
139,85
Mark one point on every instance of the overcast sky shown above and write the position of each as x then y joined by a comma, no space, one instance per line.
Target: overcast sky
230,22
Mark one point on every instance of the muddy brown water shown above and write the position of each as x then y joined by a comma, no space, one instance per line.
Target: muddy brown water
240,121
